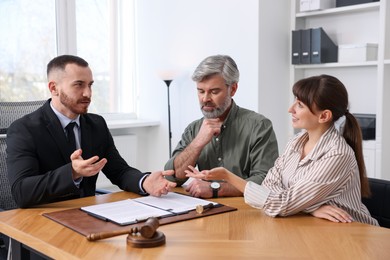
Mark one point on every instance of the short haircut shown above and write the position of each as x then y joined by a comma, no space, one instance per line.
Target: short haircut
60,62
222,65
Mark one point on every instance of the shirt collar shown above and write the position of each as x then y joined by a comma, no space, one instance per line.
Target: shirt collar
319,148
64,120
231,115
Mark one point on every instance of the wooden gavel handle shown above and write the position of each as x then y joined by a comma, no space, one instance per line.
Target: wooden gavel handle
147,231
103,235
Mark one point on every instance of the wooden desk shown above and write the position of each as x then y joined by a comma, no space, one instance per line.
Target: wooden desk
243,234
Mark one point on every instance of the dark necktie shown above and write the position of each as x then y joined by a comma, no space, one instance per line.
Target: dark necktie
70,135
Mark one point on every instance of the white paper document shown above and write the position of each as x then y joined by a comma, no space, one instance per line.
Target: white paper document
174,202
131,211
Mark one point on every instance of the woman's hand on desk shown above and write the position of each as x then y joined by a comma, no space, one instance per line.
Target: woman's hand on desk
332,213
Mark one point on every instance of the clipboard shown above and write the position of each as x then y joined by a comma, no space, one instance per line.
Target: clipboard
125,212
85,224
131,211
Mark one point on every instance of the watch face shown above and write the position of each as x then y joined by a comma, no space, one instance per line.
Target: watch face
215,185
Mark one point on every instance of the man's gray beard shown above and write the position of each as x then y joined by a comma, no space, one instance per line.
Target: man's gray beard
218,111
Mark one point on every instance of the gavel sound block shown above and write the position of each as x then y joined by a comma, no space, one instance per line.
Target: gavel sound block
145,236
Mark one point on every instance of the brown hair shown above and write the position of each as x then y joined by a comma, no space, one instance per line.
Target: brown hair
60,62
327,92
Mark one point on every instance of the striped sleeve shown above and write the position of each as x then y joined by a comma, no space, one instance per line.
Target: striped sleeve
255,195
317,183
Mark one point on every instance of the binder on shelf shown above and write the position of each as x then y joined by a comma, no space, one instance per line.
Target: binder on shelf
305,46
340,3
323,49
322,4
311,5
296,47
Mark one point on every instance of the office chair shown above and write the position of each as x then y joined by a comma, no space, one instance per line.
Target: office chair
378,203
6,200
9,112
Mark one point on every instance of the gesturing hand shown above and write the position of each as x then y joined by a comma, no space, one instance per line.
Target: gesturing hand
156,185
85,168
218,173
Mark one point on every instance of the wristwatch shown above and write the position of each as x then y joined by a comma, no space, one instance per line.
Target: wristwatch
215,186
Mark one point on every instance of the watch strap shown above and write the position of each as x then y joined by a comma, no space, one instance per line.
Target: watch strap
215,193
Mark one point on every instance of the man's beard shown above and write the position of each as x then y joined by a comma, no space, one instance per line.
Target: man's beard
218,111
72,105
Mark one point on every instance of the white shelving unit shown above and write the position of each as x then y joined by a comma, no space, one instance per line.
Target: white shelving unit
368,83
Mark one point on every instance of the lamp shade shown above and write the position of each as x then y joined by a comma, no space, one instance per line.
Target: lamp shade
167,74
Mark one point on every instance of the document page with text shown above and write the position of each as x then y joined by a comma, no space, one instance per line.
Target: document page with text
125,212
174,202
132,211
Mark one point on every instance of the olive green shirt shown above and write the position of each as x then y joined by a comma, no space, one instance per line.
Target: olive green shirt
246,146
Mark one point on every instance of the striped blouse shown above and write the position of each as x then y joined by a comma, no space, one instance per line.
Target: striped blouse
329,174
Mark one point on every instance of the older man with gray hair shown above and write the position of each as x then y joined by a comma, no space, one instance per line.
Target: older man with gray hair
238,139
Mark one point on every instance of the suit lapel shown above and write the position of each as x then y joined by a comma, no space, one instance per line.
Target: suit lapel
56,131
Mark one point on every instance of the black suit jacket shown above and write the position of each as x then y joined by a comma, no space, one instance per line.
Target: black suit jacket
38,158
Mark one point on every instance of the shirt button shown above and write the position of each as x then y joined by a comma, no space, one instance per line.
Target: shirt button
217,139
219,159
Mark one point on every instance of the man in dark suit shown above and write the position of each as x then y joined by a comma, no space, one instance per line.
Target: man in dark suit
47,162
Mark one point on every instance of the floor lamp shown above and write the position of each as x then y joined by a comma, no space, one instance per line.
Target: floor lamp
168,82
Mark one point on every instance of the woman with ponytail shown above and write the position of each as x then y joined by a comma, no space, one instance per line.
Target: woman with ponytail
322,170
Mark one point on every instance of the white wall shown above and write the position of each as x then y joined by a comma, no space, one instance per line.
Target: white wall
177,34
273,71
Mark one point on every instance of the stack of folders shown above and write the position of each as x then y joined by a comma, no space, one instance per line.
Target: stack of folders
312,46
340,3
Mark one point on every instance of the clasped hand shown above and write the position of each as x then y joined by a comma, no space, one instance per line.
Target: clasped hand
210,127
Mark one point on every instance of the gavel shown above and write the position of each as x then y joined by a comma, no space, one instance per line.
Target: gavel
148,230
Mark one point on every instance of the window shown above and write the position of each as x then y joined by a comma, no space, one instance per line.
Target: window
100,31
28,42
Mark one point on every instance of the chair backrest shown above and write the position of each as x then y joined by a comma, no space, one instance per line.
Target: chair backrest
9,112
6,200
379,202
